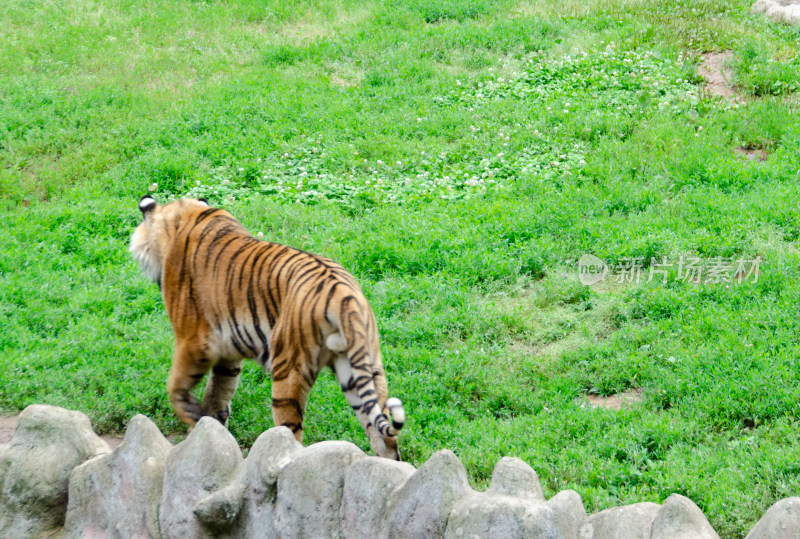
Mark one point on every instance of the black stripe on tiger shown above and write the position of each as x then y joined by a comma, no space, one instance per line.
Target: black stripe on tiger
277,403
222,370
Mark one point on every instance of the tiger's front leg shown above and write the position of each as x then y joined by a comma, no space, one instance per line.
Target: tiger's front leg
220,389
188,367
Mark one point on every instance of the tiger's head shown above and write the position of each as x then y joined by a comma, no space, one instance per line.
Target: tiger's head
152,237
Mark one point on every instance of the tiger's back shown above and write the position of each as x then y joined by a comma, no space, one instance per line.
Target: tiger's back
231,296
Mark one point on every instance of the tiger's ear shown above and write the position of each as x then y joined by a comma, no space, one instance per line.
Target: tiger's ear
147,204
204,201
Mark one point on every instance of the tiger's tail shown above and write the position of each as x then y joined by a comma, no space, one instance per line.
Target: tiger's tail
356,374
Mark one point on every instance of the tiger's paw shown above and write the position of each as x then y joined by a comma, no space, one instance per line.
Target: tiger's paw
223,415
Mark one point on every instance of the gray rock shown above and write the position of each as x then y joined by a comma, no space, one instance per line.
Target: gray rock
626,522
785,11
219,509
488,515
272,452
568,510
310,490
367,485
117,495
48,443
781,521
205,462
513,477
680,518
421,506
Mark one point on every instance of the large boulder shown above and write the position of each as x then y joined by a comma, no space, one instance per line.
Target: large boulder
680,518
310,490
782,520
367,485
785,11
269,455
487,515
513,506
626,522
514,477
569,513
48,443
421,507
207,461
118,494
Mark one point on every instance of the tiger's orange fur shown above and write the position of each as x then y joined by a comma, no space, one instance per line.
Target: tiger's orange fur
231,296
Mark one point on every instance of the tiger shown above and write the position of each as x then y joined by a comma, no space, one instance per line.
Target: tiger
231,296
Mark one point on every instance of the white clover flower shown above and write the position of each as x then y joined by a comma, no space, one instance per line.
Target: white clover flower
153,186
380,163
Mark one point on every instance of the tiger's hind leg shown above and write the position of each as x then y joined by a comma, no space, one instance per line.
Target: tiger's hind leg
354,380
188,367
220,389
291,383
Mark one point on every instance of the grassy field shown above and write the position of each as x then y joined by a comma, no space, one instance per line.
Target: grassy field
458,158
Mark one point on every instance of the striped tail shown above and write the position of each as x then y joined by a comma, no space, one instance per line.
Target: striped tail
354,372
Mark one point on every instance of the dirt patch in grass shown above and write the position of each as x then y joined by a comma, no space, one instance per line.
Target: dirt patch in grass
345,76
751,154
718,76
625,399
312,28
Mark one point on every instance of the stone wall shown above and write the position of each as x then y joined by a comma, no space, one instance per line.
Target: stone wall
58,477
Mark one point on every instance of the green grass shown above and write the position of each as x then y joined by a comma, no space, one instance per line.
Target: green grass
458,159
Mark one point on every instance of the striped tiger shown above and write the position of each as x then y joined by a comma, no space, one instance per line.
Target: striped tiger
231,296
